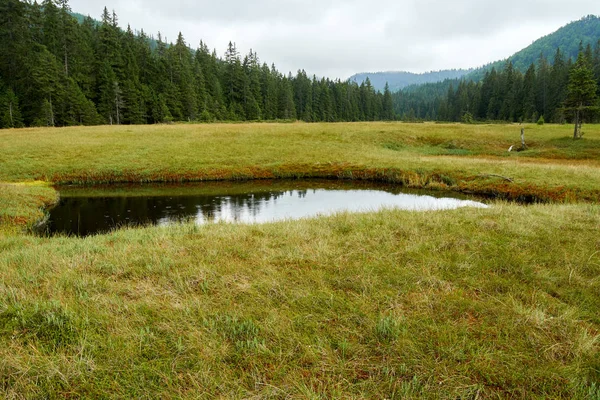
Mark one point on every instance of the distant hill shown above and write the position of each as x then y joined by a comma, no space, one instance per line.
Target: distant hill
80,17
400,80
585,31
501,99
567,38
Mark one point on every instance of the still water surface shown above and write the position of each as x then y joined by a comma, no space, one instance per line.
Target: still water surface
87,211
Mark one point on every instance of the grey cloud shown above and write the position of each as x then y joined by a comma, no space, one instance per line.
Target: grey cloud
443,20
233,12
336,38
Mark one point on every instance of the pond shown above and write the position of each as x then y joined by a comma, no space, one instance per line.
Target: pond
84,211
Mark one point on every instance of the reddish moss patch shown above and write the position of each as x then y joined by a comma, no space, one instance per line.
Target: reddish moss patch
441,180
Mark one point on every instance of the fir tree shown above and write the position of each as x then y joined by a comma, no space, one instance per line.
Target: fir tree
10,114
388,106
581,96
558,86
529,94
287,108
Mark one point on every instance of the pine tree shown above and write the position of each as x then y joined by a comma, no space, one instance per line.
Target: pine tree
559,78
581,96
287,108
201,92
234,83
388,106
45,75
10,114
543,86
252,93
303,96
366,100
160,111
109,45
182,78
46,114
15,51
268,83
209,66
82,61
133,101
486,95
77,109
67,35
51,28
596,65
108,98
529,94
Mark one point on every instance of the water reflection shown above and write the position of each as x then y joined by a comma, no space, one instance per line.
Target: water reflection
101,212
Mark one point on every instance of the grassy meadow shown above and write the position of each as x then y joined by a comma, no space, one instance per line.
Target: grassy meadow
471,303
455,156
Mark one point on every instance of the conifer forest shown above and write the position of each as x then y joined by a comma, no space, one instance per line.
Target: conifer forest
56,70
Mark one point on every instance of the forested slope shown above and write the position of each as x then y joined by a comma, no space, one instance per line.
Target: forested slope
55,71
531,84
400,79
58,68
569,38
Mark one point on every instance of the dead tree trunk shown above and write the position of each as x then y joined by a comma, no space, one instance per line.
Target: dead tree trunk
523,146
51,112
118,102
577,131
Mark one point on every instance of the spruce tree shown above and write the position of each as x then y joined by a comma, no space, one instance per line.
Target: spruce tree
581,96
10,114
287,108
529,94
234,83
303,96
133,101
559,78
388,106
252,92
543,86
182,77
596,64
45,83
108,97
201,92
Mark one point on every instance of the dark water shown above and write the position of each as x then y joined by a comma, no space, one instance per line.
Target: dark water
87,211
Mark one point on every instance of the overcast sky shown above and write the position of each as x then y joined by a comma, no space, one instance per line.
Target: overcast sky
337,38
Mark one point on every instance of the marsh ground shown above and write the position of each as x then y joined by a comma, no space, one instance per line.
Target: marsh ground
498,302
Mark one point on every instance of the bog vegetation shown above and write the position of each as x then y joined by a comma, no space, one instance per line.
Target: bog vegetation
472,303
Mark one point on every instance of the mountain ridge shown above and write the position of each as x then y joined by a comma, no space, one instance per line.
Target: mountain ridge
567,38
398,80
585,30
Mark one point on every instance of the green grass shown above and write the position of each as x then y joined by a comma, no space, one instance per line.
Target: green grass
374,305
23,204
471,303
416,155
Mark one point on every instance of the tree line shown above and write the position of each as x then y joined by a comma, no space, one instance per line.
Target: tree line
549,90
55,71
